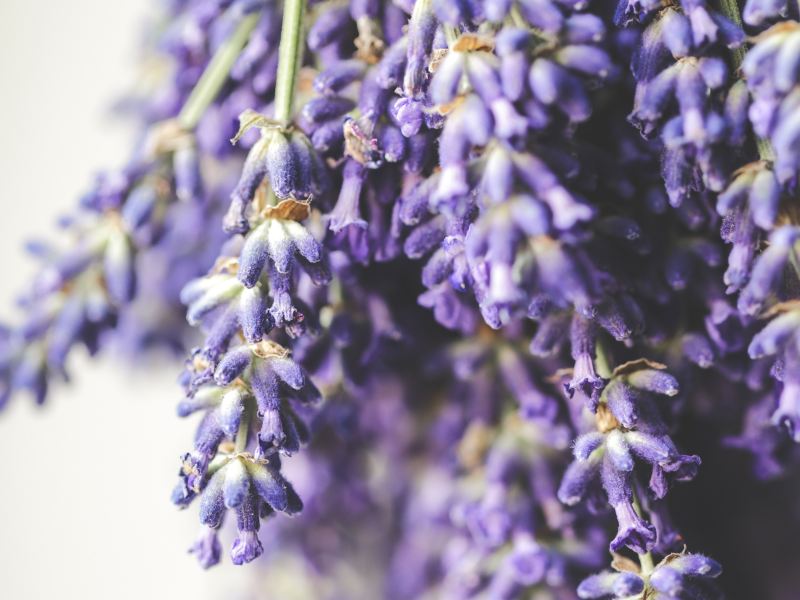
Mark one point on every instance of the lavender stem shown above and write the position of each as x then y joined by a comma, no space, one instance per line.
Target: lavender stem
215,75
290,55
730,8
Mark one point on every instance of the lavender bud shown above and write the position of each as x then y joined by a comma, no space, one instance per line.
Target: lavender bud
552,84
231,409
623,402
326,108
765,195
207,548
328,27
447,79
237,483
390,70
212,505
617,585
617,451
421,31
577,479
338,76
586,444
232,365
652,380
282,165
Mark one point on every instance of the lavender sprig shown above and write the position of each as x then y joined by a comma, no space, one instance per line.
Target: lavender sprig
253,394
128,217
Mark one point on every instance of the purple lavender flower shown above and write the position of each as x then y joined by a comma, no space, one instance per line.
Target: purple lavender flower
770,67
679,575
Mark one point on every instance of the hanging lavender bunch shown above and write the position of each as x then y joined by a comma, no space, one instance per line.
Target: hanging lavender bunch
740,98
463,305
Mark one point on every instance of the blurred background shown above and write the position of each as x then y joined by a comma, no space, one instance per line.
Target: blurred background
84,498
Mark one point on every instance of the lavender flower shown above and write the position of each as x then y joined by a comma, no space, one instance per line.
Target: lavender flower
679,575
770,67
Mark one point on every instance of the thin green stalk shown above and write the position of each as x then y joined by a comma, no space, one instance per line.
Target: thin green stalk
240,444
602,361
764,149
794,262
216,73
290,54
730,8
646,562
517,19
451,34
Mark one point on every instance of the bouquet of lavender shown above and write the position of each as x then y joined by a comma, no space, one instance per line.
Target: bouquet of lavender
466,287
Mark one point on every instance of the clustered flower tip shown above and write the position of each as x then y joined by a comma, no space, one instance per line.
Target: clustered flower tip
677,576
464,275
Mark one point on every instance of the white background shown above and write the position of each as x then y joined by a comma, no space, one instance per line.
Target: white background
84,482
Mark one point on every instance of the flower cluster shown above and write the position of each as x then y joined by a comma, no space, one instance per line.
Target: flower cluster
677,576
461,277
132,242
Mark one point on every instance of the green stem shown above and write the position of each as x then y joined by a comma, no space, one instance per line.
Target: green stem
602,361
646,562
290,54
764,149
244,428
794,262
730,8
216,74
451,34
517,19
